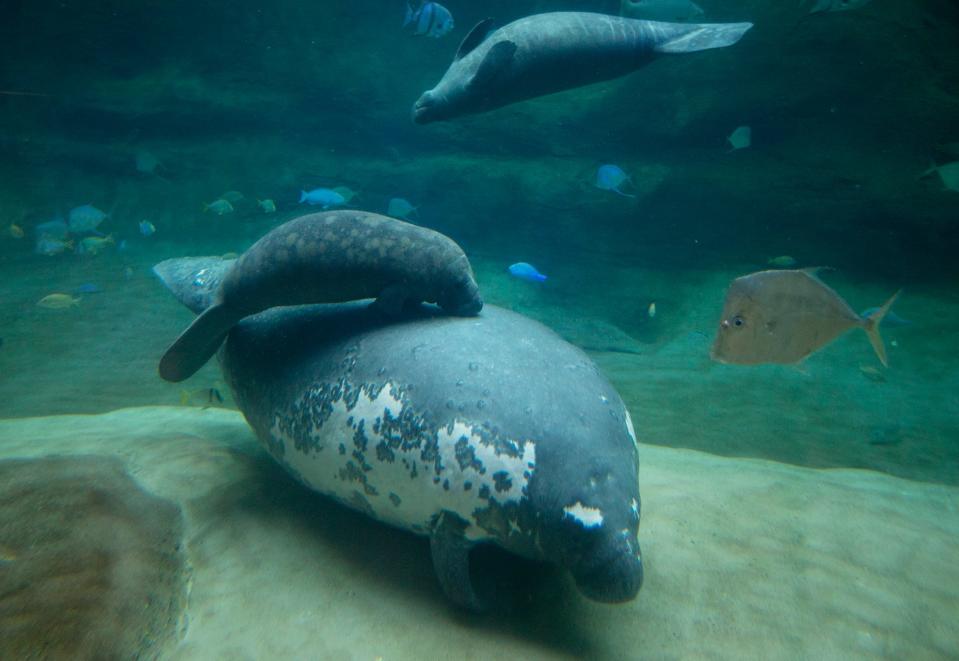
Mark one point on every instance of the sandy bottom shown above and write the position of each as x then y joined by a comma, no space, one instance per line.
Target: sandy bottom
745,559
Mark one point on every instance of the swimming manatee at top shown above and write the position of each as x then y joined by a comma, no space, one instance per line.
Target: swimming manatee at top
330,257
552,52
469,430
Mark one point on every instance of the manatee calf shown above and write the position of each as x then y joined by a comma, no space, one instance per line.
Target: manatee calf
326,258
548,53
470,430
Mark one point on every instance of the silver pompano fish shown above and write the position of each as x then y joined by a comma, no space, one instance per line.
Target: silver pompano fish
783,316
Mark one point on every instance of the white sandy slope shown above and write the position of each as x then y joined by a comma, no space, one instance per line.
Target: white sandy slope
745,559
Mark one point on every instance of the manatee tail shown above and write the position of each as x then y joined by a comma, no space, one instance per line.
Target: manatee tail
691,37
871,326
197,343
193,280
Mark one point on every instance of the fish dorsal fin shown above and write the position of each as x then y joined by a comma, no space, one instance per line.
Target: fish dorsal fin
495,61
474,38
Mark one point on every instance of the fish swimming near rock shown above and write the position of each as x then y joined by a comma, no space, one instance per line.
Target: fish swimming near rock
219,207
660,10
147,228
547,53
785,316
54,229
611,177
525,271
267,205
85,218
322,197
402,209
94,245
330,258
58,301
50,246
741,138
347,192
429,19
891,320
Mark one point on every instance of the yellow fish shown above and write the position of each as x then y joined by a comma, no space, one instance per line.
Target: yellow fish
94,244
651,310
58,301
16,231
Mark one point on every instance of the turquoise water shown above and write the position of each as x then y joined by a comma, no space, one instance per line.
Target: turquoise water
848,110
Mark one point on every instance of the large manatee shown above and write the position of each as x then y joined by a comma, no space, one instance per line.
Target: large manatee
547,53
488,429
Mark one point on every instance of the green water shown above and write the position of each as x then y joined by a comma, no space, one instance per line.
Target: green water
847,109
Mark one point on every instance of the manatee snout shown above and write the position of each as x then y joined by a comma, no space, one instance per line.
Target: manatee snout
427,108
462,296
612,575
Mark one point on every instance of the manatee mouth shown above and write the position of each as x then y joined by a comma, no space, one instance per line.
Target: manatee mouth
615,581
422,109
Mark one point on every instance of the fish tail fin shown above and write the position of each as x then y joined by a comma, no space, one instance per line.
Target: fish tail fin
688,38
871,327
197,343
302,196
409,14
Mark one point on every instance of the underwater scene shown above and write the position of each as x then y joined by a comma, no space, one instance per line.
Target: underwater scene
541,329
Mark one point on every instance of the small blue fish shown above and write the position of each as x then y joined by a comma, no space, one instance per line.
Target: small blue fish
891,320
53,229
525,271
610,177
147,228
431,19
85,218
87,288
323,197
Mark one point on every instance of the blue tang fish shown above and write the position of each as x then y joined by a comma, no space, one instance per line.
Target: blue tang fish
525,271
611,177
430,19
323,197
147,228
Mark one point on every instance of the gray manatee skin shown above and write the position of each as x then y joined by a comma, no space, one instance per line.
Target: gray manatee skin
552,52
328,258
470,430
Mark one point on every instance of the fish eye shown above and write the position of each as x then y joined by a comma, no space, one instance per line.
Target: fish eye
738,321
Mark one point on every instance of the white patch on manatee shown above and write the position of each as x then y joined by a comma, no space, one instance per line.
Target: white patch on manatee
629,426
420,497
588,517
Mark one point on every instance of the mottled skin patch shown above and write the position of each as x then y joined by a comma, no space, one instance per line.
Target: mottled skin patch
387,448
357,255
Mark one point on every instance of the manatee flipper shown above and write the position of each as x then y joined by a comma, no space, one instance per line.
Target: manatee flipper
450,552
496,60
474,38
703,37
197,343
394,299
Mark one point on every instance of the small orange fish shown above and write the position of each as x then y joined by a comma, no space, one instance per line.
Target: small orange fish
16,231
784,316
